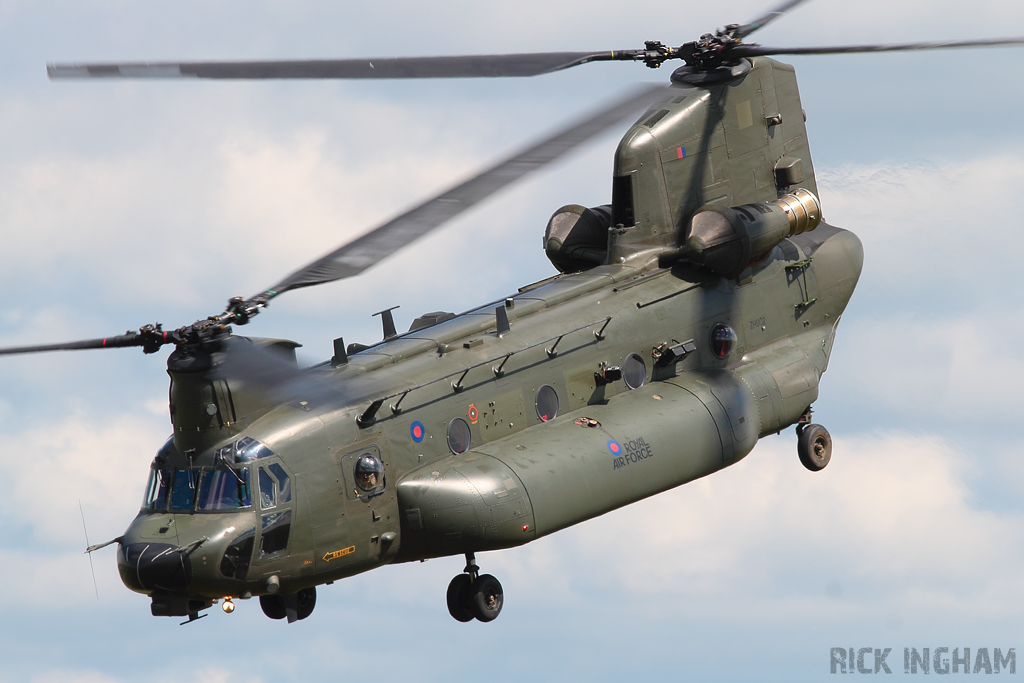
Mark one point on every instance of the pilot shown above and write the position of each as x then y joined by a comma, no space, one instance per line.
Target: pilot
368,472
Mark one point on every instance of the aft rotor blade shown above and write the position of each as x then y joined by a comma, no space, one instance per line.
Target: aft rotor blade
373,247
758,50
461,66
746,29
122,340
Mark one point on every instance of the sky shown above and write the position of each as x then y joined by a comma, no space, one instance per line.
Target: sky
125,203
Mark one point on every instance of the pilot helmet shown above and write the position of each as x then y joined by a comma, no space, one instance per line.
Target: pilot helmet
369,471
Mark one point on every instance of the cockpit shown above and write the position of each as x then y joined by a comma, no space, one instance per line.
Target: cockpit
176,486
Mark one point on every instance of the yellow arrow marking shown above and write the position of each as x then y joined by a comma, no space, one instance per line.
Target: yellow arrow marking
339,553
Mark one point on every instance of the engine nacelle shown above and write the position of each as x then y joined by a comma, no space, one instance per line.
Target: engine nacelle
576,238
726,240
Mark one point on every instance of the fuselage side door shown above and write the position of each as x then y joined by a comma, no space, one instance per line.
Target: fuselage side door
363,528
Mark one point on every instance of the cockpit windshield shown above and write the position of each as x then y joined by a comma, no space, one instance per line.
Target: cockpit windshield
183,493
225,486
224,490
199,489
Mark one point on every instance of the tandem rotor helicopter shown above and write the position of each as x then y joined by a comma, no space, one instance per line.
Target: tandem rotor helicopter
691,316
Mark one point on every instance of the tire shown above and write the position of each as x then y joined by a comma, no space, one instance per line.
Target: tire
458,598
486,599
273,606
814,444
305,601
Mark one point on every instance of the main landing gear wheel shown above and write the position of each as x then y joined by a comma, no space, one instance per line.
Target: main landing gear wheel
458,598
814,444
273,606
292,607
486,598
305,601
473,595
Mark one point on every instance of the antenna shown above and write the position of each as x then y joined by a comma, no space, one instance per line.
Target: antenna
88,550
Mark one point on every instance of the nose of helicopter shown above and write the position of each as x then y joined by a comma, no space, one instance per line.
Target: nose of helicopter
148,567
201,555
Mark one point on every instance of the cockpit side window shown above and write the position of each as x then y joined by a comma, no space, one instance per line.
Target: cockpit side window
267,499
274,532
275,486
284,484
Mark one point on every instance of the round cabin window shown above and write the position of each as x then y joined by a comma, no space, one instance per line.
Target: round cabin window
634,371
547,403
722,340
369,472
458,436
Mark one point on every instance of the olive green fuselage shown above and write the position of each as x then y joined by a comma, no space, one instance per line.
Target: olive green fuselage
523,476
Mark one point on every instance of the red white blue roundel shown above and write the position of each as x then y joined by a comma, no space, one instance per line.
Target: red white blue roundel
417,431
614,447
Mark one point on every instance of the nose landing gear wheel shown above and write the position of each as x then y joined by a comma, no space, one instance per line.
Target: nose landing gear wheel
814,445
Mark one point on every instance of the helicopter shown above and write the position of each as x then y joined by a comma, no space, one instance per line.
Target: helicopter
370,401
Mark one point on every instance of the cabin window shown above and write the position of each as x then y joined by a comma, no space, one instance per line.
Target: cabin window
723,338
363,472
547,403
369,472
458,436
634,371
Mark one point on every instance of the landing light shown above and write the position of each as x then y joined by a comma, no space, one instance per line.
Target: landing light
228,606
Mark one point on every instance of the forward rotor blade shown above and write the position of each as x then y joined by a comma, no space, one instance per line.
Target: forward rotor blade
759,23
758,50
128,339
462,66
373,247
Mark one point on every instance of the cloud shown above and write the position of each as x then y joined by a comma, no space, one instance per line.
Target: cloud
930,332
891,519
65,676
53,467
920,227
124,203
201,675
54,578
959,368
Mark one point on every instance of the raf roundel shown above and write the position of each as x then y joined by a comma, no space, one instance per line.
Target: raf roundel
614,447
417,431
